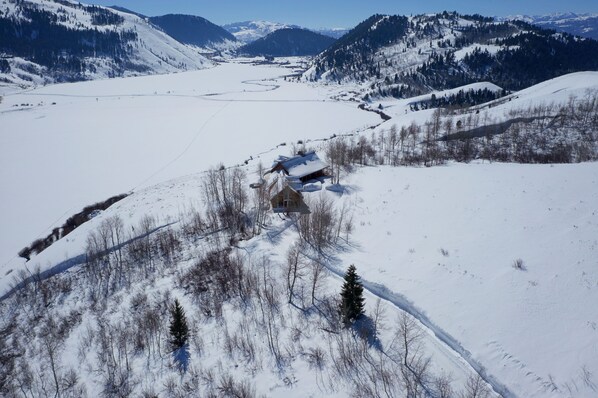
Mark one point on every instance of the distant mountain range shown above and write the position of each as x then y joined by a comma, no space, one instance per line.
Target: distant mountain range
405,56
249,31
45,41
584,25
336,33
288,42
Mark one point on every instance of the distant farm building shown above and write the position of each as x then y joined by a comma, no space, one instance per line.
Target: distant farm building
290,176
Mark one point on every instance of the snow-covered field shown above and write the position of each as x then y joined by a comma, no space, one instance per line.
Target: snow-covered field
439,243
444,240
76,144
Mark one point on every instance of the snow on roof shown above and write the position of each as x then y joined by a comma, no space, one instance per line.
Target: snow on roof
301,165
281,182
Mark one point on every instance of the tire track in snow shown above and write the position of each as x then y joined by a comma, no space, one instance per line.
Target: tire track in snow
404,304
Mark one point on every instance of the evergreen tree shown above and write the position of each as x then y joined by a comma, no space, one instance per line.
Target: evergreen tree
352,301
179,330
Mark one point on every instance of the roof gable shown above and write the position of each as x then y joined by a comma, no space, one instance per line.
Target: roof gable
300,165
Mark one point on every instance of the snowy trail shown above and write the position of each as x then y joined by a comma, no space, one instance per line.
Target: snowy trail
450,344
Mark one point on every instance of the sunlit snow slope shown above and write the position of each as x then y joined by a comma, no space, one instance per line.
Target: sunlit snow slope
83,142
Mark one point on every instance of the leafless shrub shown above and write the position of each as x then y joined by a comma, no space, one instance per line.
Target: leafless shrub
192,224
168,245
475,387
224,191
215,278
229,387
443,386
519,264
320,227
316,357
295,268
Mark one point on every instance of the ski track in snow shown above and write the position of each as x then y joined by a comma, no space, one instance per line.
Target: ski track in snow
442,338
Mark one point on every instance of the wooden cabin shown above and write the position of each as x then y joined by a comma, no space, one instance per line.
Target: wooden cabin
285,196
290,176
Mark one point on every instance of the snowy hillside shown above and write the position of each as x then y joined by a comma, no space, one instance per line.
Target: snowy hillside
400,56
195,31
446,241
103,42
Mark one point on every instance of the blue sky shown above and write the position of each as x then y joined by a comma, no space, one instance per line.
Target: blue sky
340,13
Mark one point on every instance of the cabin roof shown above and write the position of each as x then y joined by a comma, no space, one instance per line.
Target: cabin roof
282,182
300,165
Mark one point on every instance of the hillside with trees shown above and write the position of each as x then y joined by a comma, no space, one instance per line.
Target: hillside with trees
406,56
194,30
58,41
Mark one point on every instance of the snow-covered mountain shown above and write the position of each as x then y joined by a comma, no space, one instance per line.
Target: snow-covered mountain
61,40
288,42
405,56
584,25
249,31
332,32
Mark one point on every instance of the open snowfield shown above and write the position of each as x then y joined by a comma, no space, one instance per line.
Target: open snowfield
444,240
56,159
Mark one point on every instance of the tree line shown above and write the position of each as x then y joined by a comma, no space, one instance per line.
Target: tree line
39,36
545,133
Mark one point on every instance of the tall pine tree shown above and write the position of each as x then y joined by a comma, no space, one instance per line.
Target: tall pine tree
352,301
179,331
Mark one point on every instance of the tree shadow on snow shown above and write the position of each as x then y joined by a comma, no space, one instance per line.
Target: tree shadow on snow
275,234
341,189
365,328
181,358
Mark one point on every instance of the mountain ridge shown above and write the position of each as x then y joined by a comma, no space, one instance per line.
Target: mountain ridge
194,30
82,42
582,24
406,56
288,42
